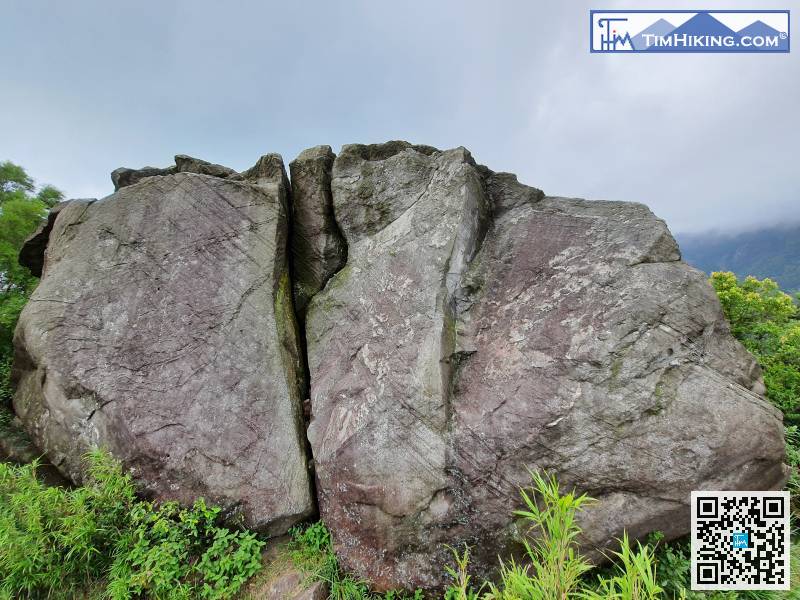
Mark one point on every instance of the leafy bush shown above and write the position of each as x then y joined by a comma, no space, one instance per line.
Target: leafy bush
674,575
635,578
767,322
56,541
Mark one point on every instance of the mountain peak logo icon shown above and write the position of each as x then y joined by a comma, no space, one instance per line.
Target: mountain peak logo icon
704,24
660,28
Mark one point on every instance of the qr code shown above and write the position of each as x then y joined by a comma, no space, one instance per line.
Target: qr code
740,540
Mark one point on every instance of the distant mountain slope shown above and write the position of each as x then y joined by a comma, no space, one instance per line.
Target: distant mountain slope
772,252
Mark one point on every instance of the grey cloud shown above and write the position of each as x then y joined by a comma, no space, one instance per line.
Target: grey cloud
706,141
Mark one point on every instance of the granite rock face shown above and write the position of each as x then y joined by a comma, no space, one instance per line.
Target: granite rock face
480,329
318,248
163,329
458,329
124,176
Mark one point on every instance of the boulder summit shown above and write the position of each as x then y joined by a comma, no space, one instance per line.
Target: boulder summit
392,339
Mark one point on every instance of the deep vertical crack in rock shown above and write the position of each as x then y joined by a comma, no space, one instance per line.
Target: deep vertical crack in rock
316,251
305,407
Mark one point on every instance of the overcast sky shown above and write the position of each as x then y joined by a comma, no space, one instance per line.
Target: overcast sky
707,141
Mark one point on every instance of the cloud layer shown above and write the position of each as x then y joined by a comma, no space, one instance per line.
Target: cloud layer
707,141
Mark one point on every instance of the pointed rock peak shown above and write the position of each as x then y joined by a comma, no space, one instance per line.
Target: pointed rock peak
268,169
269,166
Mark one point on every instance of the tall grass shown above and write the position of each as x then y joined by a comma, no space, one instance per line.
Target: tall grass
553,568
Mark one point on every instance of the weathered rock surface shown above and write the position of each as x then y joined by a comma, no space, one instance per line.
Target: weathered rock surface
461,329
124,176
480,329
163,330
17,448
318,249
189,164
293,585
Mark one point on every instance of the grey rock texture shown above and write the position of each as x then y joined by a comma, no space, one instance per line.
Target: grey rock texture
163,330
189,164
17,448
318,248
460,329
479,329
293,585
124,176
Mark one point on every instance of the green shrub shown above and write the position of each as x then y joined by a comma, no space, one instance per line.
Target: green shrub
311,550
55,541
766,321
21,212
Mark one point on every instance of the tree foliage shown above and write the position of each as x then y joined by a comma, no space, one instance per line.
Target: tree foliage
767,322
21,211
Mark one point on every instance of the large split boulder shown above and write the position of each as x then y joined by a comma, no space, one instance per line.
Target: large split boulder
480,329
459,330
163,330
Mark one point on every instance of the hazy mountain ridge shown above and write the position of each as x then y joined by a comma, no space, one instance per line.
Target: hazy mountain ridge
772,252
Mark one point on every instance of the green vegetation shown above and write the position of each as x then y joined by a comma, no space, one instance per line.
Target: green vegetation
311,550
767,321
554,569
21,211
101,540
